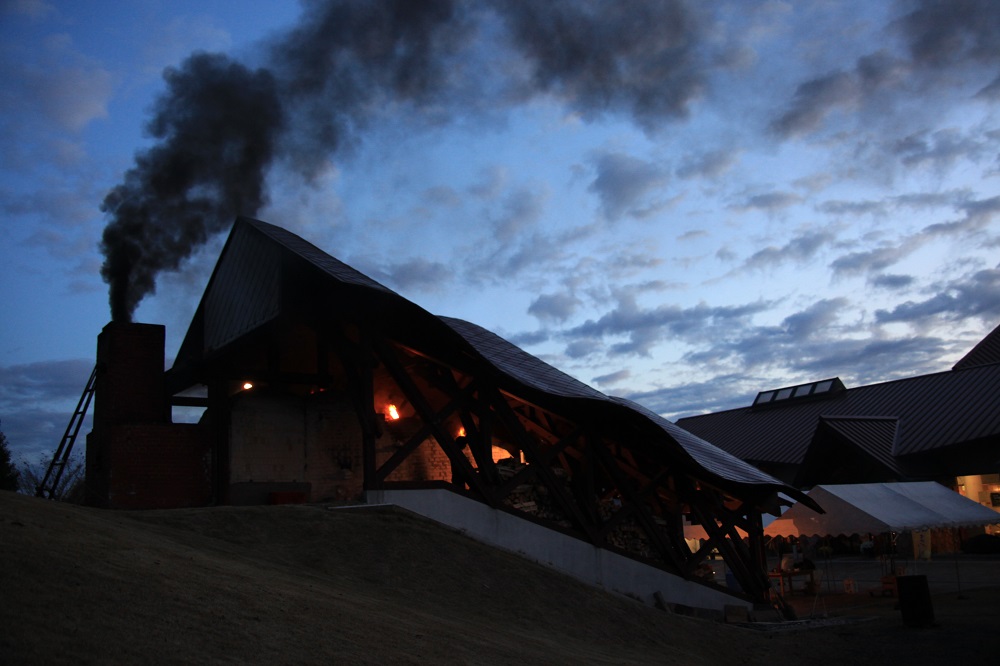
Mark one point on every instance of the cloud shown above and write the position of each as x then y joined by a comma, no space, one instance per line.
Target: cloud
977,215
418,275
32,9
941,34
711,164
635,58
625,183
800,248
872,261
770,201
612,378
814,100
522,209
713,394
835,207
977,295
942,148
37,400
892,282
554,307
937,37
644,328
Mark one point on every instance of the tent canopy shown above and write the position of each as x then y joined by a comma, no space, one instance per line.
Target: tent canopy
881,507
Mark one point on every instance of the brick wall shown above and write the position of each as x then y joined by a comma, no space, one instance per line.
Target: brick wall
159,466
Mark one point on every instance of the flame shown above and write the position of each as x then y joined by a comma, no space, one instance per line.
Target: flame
392,413
461,432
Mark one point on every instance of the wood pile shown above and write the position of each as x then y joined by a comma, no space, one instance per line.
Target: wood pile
532,497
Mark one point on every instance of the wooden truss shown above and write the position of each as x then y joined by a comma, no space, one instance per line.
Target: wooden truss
608,487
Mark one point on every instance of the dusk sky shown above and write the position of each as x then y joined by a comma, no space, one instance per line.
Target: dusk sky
681,203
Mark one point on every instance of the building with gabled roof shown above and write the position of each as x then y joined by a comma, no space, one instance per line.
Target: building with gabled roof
943,427
321,385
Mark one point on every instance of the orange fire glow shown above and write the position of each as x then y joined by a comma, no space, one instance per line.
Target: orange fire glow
392,413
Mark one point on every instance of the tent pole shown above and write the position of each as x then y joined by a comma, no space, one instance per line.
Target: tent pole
958,574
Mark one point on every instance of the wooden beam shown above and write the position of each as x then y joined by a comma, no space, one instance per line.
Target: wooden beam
514,426
358,363
459,462
639,507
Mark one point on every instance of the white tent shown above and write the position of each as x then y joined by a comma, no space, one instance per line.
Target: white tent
877,508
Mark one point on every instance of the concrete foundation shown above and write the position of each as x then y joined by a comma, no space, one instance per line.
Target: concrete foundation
585,562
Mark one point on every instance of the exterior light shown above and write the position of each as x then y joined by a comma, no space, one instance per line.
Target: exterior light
247,386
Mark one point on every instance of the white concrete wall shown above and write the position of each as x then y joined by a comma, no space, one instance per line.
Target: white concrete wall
583,561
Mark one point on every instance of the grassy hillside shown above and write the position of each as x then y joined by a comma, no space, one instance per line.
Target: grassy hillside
304,584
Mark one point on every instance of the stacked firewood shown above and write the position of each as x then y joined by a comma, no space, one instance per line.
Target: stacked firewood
533,496
627,535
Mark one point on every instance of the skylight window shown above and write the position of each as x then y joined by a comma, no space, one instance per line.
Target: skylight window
825,388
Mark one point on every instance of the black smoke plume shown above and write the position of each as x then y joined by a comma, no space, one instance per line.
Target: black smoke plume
220,126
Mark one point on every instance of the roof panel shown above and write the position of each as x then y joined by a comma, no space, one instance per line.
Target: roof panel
933,411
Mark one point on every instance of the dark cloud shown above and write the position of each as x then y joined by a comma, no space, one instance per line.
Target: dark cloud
872,261
707,165
853,207
583,348
643,328
938,36
977,215
418,275
37,401
892,282
800,248
814,100
771,201
941,33
521,210
612,378
977,295
625,184
637,58
554,307
442,196
943,148
817,318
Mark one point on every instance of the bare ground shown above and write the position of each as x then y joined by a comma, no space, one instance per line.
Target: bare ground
305,584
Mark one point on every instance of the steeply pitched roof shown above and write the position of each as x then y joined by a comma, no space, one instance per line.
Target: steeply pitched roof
928,413
249,288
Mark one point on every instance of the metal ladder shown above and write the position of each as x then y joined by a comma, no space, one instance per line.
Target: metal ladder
50,483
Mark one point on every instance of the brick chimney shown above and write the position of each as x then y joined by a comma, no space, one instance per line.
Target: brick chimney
136,457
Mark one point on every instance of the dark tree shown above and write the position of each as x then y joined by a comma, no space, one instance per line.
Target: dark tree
8,472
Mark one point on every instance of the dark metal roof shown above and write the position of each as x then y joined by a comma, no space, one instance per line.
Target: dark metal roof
315,256
987,352
519,364
873,435
708,456
933,411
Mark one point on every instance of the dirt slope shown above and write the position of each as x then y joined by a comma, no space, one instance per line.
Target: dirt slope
303,584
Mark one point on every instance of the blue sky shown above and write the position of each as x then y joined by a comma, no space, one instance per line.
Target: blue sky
681,203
